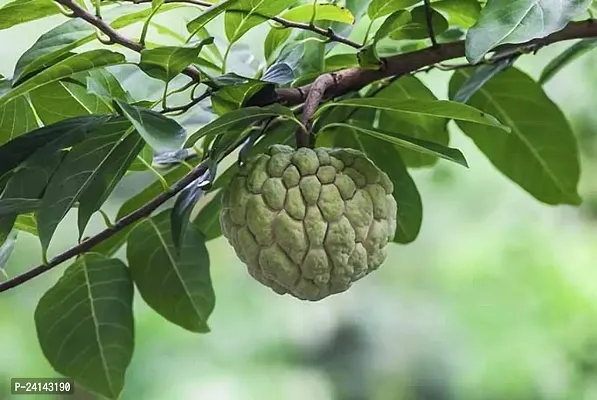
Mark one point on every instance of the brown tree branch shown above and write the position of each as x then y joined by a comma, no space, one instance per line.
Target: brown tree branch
353,79
314,97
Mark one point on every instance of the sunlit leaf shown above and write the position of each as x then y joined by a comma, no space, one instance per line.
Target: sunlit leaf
176,285
21,11
247,14
462,13
380,8
85,324
209,14
506,21
323,12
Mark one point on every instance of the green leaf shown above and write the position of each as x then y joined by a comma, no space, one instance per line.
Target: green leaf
462,13
368,57
16,118
275,38
566,57
409,215
209,14
396,21
83,164
104,84
419,126
246,116
63,134
405,141
26,223
177,286
432,108
380,8
73,64
28,183
155,4
21,11
56,43
85,324
107,177
18,206
416,28
323,12
208,218
337,62
540,153
505,21
166,62
160,132
250,13
62,100
480,76
146,155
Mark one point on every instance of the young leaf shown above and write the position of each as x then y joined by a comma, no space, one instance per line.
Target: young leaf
386,156
408,142
79,169
177,286
16,118
540,153
566,57
21,11
242,116
166,62
481,75
61,100
65,68
381,8
26,223
462,13
323,12
160,132
108,176
85,324
505,21
432,108
63,134
247,14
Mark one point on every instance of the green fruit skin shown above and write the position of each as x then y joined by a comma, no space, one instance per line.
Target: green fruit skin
309,222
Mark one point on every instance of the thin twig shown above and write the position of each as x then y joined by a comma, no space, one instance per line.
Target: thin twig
429,21
328,33
186,107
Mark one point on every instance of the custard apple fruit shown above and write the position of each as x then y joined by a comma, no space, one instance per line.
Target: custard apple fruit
309,222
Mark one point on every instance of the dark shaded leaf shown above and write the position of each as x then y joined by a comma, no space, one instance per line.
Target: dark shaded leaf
237,91
566,57
280,73
83,164
163,134
85,324
16,117
540,152
109,173
177,286
505,21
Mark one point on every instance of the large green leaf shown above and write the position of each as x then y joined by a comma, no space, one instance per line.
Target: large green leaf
160,132
83,164
567,56
237,91
507,21
65,68
250,13
414,27
61,100
480,76
323,12
540,153
462,13
166,62
243,116
175,284
408,142
16,118
386,156
109,174
63,134
28,183
20,11
56,43
85,324
104,84
380,8
431,108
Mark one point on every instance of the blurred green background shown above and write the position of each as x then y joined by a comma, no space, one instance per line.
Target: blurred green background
496,299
